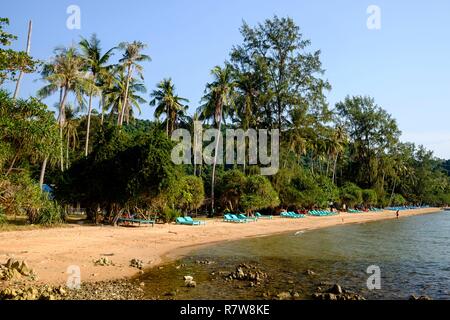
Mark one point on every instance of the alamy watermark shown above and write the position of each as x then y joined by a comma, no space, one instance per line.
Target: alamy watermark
374,19
374,280
190,149
74,277
73,21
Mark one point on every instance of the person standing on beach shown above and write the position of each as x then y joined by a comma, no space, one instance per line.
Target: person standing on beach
398,214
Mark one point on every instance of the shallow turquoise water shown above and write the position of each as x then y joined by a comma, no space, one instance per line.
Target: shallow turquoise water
413,255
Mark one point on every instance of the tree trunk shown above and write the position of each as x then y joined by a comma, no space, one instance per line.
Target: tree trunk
334,168
392,194
16,156
30,28
125,99
67,151
101,105
167,120
61,125
86,148
43,168
214,165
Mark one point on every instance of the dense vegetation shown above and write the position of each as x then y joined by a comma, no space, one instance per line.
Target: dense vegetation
108,162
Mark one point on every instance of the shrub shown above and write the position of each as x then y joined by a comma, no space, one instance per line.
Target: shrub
351,194
2,216
52,213
369,197
169,215
398,200
259,194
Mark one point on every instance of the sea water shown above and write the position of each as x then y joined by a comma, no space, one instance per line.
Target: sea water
412,254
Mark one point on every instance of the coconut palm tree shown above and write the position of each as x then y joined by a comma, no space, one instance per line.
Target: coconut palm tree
114,96
65,72
130,62
71,131
218,100
167,102
339,141
245,113
96,63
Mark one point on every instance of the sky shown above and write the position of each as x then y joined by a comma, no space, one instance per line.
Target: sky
404,65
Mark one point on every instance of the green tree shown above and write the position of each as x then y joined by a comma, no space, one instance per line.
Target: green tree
286,74
96,63
64,73
167,102
130,63
259,194
351,194
372,132
11,61
369,197
115,93
218,99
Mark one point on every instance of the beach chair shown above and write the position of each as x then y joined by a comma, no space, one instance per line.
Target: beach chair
244,217
133,221
182,220
229,218
260,216
189,219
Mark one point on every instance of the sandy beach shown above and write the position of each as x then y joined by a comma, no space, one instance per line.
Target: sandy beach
51,251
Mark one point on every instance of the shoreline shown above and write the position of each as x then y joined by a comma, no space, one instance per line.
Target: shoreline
51,251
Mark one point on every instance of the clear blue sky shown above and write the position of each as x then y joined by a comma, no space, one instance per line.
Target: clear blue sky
405,65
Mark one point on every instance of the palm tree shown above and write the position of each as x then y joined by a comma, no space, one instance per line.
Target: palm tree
130,62
114,96
95,62
65,72
246,100
167,102
339,140
218,99
71,131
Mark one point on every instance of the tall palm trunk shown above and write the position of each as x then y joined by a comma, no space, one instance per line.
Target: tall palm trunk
43,168
67,151
167,120
30,28
392,193
214,164
61,126
125,99
101,106
88,124
334,167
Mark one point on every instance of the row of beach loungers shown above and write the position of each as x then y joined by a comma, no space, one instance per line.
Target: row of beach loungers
242,218
291,215
322,213
406,208
359,211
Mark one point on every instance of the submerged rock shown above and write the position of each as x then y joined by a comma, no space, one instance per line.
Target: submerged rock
137,263
420,298
336,292
335,289
190,283
247,273
284,296
207,262
310,273
103,262
188,278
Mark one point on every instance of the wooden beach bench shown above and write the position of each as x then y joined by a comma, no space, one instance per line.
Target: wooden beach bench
136,221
